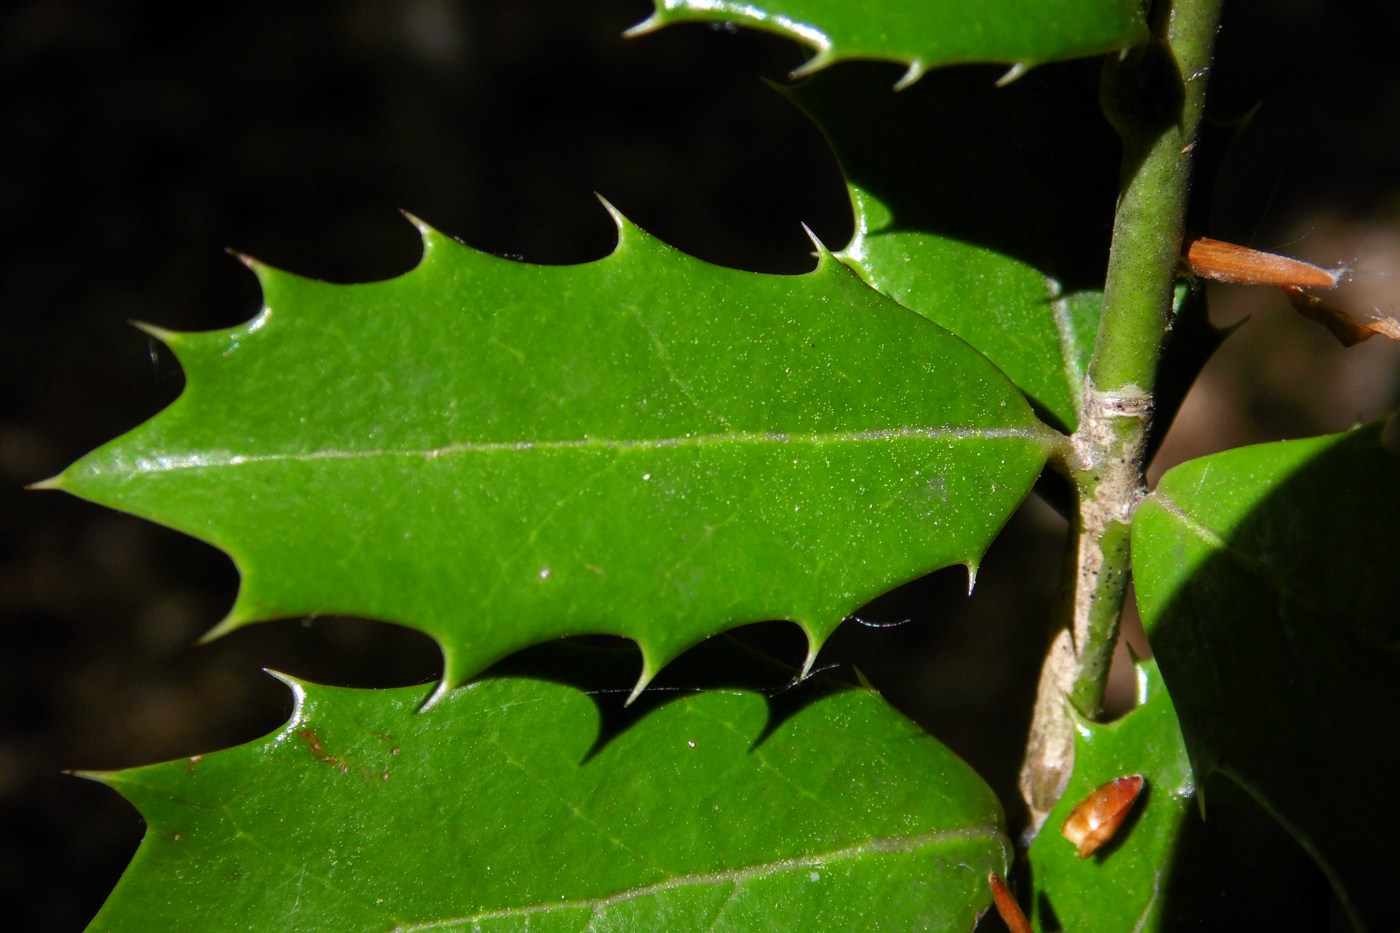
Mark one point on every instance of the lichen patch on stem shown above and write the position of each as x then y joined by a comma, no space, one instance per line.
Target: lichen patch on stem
1109,450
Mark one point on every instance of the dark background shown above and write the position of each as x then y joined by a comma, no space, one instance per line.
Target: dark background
139,140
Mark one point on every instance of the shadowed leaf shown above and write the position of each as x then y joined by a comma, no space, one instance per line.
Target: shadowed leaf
1269,578
984,208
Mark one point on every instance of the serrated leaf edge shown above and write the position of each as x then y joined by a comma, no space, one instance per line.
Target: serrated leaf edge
667,12
629,235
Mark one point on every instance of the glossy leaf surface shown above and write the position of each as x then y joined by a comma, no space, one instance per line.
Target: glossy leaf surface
1169,867
922,35
1121,886
984,208
1269,579
499,453
500,809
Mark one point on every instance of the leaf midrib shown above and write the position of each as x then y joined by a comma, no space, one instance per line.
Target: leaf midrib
208,460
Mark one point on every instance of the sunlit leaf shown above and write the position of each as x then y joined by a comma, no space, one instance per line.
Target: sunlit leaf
499,453
502,809
1119,885
926,35
1169,866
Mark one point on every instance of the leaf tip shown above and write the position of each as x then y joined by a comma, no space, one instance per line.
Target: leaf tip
971,576
105,778
52,482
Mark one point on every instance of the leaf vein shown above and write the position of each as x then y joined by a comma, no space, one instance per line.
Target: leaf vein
1251,565
734,876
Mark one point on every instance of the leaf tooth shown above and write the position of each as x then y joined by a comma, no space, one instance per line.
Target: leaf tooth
815,641
648,25
430,236
237,616
822,252
424,228
453,676
439,694
653,660
971,576
1013,73
915,71
642,681
171,338
264,272
817,62
298,688
626,229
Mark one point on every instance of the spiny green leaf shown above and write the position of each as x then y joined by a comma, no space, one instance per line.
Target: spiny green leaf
986,209
499,810
1269,580
1170,866
924,35
499,453
1120,887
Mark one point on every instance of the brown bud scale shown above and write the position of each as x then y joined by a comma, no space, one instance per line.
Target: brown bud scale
1095,819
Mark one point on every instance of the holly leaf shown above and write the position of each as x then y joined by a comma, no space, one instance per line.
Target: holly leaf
986,209
499,453
1268,578
1120,887
1171,865
510,805
921,36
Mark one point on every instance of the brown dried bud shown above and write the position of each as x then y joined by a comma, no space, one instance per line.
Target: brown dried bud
1097,817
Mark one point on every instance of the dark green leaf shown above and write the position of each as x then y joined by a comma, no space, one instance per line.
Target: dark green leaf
926,35
499,453
1167,867
499,810
1120,886
1269,579
986,209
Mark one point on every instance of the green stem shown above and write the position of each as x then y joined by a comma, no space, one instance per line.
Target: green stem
1158,144
1154,95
